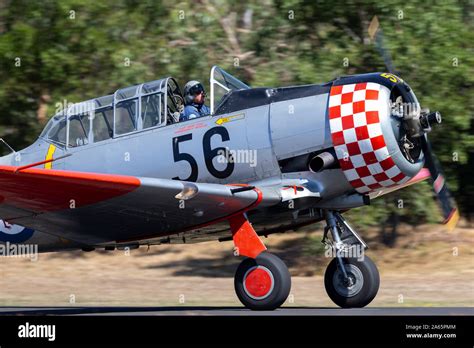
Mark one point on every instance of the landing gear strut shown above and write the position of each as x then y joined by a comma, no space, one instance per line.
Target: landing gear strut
351,278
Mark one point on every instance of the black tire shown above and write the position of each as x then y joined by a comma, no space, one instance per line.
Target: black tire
355,296
281,281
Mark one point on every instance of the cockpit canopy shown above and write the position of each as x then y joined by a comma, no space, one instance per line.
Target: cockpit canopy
127,110
130,109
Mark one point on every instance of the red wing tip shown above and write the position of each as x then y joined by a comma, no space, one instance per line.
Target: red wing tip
126,180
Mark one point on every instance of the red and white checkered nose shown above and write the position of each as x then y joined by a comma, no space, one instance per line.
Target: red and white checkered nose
356,116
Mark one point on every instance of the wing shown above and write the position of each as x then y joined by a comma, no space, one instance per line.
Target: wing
96,209
102,209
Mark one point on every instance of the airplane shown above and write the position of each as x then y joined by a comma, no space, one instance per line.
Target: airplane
121,171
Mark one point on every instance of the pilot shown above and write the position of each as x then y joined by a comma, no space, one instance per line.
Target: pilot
194,98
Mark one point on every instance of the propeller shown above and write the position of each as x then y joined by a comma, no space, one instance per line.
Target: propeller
418,127
448,205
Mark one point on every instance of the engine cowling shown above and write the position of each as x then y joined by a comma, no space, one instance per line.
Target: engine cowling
369,139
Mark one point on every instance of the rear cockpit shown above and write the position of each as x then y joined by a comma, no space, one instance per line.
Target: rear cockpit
128,110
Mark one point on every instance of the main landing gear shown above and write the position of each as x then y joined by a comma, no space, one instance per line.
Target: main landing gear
351,279
263,282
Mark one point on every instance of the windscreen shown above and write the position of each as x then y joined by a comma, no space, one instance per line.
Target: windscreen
221,83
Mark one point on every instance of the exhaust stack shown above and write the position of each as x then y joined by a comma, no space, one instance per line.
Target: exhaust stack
320,162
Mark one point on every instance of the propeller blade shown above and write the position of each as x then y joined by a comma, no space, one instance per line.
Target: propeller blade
448,205
376,35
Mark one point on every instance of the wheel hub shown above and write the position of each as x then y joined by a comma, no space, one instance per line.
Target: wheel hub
258,282
351,285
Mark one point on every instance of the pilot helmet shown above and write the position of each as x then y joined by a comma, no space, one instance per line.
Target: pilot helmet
191,89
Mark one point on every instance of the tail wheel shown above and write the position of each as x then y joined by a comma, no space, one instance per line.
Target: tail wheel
263,283
359,289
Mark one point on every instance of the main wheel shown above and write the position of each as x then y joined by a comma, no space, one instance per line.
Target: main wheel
357,291
263,283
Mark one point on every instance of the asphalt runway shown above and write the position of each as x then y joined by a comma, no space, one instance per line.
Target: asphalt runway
236,311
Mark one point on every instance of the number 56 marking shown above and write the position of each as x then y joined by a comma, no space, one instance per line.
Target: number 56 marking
209,154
